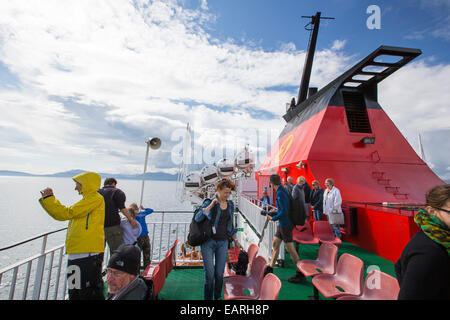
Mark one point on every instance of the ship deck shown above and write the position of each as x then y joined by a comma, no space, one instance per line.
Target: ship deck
187,283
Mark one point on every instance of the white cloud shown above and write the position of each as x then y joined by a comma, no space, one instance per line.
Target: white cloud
338,44
137,69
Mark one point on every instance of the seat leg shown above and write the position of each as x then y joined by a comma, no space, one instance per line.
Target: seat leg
316,295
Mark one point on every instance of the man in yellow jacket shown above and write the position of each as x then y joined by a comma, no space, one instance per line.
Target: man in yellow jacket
85,239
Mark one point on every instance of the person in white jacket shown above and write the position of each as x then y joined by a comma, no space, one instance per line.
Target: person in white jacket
332,202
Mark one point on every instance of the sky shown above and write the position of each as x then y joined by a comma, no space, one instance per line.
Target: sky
83,84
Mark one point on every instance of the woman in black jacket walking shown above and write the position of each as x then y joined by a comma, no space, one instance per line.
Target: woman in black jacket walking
423,270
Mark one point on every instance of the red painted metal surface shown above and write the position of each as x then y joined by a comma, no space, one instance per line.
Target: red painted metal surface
387,171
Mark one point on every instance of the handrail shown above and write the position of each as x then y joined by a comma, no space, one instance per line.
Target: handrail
391,205
31,239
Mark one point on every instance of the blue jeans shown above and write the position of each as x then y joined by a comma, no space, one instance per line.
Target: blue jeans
336,230
317,215
214,257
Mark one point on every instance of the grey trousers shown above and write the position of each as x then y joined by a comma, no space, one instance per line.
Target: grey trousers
113,237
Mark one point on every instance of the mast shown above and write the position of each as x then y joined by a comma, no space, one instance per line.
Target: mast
304,84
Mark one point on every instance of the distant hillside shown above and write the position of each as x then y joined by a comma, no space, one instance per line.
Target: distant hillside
71,173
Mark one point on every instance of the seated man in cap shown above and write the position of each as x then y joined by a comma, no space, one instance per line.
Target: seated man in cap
124,282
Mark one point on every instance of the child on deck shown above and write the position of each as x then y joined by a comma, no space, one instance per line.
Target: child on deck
143,239
130,234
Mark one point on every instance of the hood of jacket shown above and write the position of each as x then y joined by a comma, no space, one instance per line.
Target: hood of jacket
90,182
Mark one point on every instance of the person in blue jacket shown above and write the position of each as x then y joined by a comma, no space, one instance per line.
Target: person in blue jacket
143,240
284,229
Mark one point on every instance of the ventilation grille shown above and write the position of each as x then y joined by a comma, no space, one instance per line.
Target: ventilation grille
355,108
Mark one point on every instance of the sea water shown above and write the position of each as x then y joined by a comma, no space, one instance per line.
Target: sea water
22,217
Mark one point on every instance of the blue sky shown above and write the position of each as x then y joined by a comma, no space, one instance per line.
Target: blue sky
84,83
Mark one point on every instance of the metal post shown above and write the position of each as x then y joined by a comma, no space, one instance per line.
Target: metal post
40,271
61,252
145,171
27,280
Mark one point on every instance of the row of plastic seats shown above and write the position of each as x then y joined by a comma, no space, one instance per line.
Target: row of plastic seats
254,283
347,274
321,233
158,271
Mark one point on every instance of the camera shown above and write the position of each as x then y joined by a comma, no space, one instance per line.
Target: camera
266,212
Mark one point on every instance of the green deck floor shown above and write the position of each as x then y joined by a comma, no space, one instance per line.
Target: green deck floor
187,284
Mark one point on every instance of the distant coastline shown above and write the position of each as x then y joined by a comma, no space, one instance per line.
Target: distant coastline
71,173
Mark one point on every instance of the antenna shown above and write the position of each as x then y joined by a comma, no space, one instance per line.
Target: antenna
422,154
315,21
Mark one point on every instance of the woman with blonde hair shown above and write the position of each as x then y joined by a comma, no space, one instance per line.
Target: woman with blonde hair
219,211
423,270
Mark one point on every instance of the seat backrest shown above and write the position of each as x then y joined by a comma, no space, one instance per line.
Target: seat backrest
158,280
252,251
350,269
257,268
168,262
327,257
174,245
323,230
270,287
380,286
306,234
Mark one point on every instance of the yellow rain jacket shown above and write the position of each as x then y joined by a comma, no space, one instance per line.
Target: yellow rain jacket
85,232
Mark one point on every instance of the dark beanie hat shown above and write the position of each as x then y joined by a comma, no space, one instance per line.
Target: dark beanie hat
126,258
275,179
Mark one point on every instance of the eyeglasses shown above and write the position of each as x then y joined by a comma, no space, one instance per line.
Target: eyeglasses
445,210
115,273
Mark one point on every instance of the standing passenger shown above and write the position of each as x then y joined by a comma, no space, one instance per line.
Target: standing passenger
130,234
423,270
289,185
266,201
284,229
219,211
332,202
114,201
85,239
144,239
317,201
301,181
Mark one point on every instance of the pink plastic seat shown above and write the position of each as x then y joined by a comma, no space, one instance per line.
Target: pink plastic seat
323,231
325,262
148,272
378,286
348,277
306,236
236,286
171,262
270,288
156,273
251,251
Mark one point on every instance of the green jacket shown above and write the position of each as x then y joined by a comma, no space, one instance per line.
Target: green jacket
86,217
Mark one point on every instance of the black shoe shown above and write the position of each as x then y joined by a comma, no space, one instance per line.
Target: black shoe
298,278
268,270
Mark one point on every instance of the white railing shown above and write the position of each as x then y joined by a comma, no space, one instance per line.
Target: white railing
43,276
251,212
42,269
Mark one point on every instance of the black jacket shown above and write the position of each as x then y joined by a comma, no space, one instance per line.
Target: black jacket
114,201
423,270
317,199
140,289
